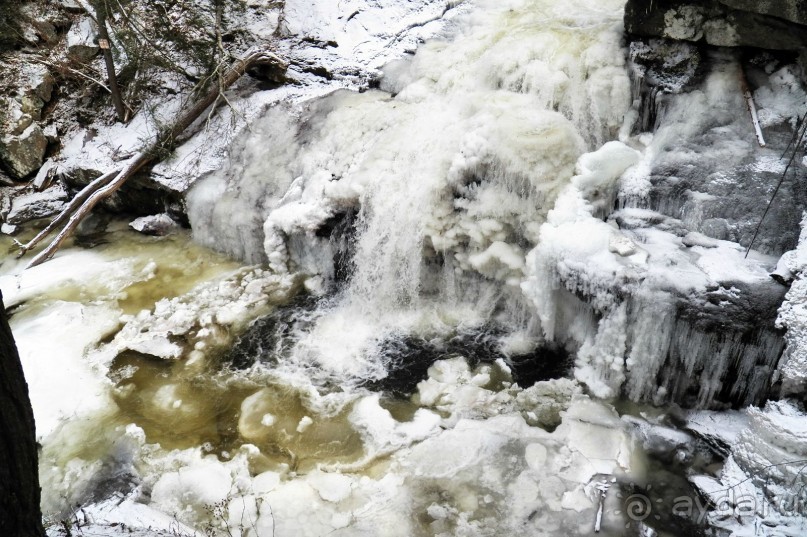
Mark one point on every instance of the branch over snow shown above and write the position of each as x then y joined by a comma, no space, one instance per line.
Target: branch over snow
110,182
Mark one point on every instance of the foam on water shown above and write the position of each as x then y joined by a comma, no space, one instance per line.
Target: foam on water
451,175
464,195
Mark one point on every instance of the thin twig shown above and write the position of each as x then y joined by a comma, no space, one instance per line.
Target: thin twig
74,71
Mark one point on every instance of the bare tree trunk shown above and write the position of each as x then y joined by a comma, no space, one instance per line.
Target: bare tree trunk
106,44
20,514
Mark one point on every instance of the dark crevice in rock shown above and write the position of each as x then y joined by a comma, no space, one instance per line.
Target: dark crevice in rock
752,24
409,358
340,231
272,336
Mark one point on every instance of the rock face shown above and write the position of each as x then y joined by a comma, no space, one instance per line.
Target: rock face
792,10
775,25
81,39
23,153
22,140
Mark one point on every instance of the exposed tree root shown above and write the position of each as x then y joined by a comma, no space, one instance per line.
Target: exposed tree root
106,185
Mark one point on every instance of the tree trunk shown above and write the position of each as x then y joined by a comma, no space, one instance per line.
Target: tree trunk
112,79
20,514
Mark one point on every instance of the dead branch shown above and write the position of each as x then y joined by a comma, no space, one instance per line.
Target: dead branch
752,108
65,67
109,183
62,217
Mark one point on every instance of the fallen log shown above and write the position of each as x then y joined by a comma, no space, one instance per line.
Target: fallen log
106,185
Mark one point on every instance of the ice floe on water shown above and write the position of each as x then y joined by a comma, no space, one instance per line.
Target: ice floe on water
447,226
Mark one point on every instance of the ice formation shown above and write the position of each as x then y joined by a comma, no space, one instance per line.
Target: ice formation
487,188
463,148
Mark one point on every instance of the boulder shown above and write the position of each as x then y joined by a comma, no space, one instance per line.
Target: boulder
46,175
37,81
32,205
81,43
715,23
158,224
23,153
15,120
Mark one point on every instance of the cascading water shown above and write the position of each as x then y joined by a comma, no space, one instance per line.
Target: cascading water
451,173
424,252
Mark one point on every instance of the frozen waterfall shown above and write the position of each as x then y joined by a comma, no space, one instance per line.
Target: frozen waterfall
450,170
461,267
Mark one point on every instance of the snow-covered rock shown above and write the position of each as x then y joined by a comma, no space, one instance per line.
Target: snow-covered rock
33,205
23,153
81,40
158,224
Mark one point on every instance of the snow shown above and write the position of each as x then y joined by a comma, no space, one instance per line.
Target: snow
483,182
123,516
725,425
59,335
761,482
358,33
793,367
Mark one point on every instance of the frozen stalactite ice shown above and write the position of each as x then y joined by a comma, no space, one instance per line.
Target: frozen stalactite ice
471,231
668,320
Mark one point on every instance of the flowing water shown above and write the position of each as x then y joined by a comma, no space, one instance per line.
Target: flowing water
373,371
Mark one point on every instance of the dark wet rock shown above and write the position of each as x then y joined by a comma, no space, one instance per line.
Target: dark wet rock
409,358
791,10
23,153
32,205
91,224
749,24
137,197
272,336
91,232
